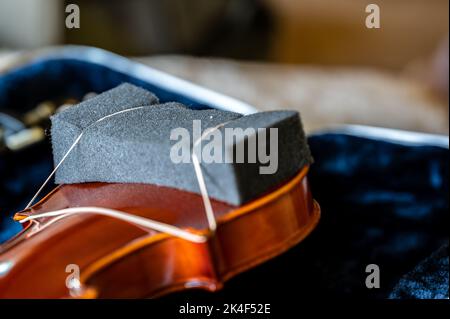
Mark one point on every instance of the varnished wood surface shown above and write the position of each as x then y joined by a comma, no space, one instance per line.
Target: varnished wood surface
121,260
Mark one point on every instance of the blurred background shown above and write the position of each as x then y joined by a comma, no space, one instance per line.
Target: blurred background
316,56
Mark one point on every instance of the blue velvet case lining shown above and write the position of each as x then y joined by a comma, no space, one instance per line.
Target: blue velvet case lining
382,202
26,86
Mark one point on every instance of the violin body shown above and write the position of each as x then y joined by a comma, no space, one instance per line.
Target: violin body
114,259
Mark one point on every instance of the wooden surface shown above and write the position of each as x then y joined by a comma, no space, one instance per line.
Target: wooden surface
118,259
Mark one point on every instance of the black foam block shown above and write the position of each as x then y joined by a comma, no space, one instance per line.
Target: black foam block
69,123
135,147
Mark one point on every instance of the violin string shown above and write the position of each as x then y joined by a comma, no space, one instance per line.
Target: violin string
201,181
144,222
132,219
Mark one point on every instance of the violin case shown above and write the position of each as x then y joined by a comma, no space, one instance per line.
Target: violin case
383,193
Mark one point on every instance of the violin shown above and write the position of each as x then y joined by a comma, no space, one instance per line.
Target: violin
145,240
117,259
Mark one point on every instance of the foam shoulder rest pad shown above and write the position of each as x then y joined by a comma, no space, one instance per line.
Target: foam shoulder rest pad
69,123
140,146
